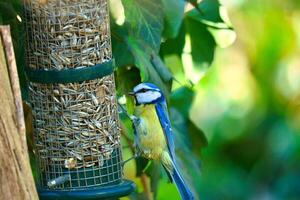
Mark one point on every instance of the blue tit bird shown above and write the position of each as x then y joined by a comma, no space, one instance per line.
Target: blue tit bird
153,133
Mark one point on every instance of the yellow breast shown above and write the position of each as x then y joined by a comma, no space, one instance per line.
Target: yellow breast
152,143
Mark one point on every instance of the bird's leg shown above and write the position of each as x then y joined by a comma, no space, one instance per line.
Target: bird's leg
135,120
136,155
124,110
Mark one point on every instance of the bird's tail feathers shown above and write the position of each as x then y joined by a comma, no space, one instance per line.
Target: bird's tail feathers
173,173
182,187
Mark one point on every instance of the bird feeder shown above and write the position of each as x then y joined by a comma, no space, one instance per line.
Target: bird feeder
69,66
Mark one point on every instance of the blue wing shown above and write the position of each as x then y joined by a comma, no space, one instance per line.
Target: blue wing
173,173
162,113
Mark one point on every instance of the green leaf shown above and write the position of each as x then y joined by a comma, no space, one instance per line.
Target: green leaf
7,11
154,172
161,68
180,95
141,164
202,43
193,2
174,45
143,55
210,12
215,16
223,37
175,65
126,79
189,165
121,53
144,19
207,28
174,12
197,137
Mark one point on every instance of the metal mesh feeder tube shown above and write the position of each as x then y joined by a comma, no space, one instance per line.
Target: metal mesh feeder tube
72,94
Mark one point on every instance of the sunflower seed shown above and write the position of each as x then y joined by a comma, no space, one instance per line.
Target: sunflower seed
70,163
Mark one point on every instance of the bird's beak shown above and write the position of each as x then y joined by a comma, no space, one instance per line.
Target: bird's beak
130,93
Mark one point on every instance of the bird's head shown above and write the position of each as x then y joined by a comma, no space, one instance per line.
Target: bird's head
147,93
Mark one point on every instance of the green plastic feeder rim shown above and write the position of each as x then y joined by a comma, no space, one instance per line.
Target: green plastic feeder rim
115,191
77,74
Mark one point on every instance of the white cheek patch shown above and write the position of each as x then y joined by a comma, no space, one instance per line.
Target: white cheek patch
147,97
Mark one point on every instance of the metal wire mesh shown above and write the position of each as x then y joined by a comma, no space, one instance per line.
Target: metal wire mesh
67,33
76,127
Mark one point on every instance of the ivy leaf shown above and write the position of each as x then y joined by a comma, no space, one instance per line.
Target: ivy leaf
154,172
189,165
193,2
149,73
144,19
210,13
182,94
121,53
160,67
174,13
202,43
197,137
215,17
7,11
174,45
187,95
126,79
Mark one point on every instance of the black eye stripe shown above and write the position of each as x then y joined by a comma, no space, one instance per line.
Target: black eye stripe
142,90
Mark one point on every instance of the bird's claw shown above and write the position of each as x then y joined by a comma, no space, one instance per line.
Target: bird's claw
136,155
135,120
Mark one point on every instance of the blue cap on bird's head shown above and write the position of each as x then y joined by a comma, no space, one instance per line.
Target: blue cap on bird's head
147,93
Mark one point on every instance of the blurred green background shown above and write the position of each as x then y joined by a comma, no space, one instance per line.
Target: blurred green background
248,106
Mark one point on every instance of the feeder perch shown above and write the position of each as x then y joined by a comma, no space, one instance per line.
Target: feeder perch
72,94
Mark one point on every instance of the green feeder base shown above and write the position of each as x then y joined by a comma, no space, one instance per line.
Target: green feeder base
95,193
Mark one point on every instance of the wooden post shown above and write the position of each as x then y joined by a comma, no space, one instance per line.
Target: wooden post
16,181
